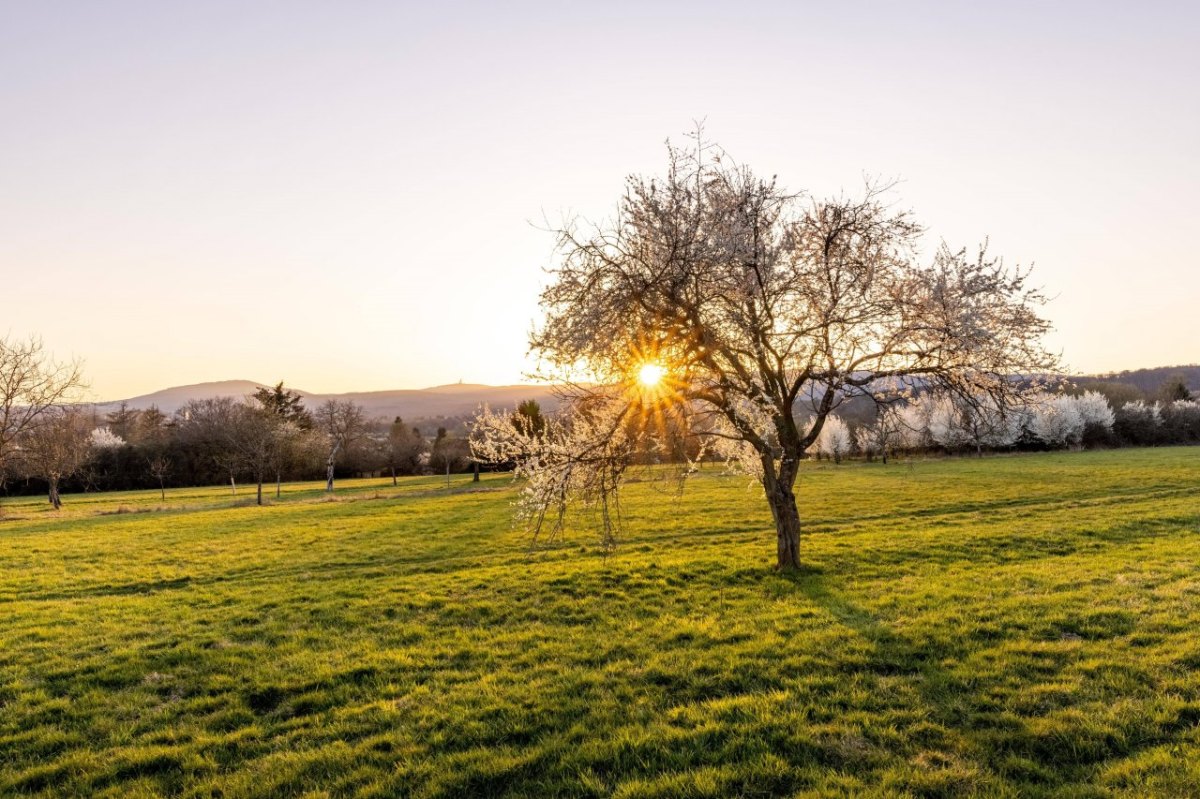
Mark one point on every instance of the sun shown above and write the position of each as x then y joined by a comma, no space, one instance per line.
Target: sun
651,374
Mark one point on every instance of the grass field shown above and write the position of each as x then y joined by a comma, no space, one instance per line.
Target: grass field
1012,626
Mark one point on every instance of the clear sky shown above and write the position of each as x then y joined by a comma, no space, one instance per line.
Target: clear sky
346,196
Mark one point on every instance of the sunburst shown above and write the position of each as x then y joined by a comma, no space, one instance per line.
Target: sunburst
651,374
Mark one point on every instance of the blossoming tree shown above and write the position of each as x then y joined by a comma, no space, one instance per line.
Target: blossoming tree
719,310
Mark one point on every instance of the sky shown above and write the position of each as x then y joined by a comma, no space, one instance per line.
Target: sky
354,196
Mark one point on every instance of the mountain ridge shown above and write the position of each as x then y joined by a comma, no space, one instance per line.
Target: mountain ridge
458,399
453,399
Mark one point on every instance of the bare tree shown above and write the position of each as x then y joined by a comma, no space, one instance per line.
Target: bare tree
56,447
403,448
448,453
160,467
883,435
743,315
343,424
208,426
257,435
241,437
32,383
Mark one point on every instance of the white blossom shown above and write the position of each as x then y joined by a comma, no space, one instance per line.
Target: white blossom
102,438
580,455
1057,421
1093,407
912,426
1139,411
977,421
834,439
942,422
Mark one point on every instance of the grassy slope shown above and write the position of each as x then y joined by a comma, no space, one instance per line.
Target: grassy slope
1012,626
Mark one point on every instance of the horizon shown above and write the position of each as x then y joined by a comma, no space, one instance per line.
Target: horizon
532,385
355,200
306,390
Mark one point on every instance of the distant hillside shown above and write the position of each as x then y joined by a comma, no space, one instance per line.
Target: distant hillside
169,400
1149,380
463,399
425,403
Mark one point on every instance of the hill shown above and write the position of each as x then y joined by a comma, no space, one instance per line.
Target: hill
169,400
427,403
1149,380
463,399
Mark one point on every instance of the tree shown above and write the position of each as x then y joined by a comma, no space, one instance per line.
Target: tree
1138,423
834,440
975,422
529,413
32,384
1097,415
448,453
56,448
292,423
257,434
342,424
152,429
884,435
160,467
103,438
1056,421
403,448
1181,421
207,428
758,308
286,404
1174,388
123,421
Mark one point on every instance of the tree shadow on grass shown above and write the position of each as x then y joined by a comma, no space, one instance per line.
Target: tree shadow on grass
1040,753
107,590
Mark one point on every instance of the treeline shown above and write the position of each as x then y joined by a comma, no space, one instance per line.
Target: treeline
270,437
1149,382
1096,414
264,439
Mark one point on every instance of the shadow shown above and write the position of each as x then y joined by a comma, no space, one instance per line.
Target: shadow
123,589
892,654
1009,743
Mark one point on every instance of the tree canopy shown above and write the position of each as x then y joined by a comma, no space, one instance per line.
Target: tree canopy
761,310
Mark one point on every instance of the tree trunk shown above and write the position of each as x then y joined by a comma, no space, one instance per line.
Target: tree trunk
278,485
54,498
447,473
476,478
394,483
782,499
232,485
162,490
329,464
787,527
260,482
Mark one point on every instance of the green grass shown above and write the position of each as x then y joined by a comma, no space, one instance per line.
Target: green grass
1012,626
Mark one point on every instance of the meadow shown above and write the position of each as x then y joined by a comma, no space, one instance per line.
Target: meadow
1005,626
